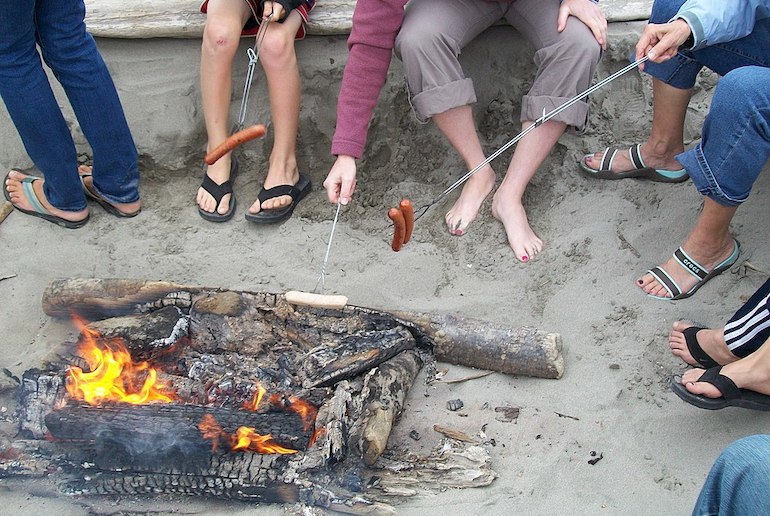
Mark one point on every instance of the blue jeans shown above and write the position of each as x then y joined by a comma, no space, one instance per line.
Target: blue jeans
739,481
735,142
57,26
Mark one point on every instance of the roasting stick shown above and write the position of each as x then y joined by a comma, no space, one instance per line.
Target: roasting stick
317,298
540,121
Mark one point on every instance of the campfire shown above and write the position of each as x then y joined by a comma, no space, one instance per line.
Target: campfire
187,390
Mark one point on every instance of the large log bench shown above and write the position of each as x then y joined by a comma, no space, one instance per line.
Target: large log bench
182,18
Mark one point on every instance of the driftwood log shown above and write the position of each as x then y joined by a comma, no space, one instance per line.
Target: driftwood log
468,342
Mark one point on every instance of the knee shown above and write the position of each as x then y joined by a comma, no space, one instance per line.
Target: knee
220,39
277,47
746,86
577,46
663,10
748,456
418,45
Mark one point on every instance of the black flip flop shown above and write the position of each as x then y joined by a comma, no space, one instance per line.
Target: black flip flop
700,356
217,191
732,396
296,192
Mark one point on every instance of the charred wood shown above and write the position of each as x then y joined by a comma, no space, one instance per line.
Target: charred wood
259,320
142,435
383,395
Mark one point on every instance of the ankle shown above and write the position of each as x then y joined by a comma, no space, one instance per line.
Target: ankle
663,149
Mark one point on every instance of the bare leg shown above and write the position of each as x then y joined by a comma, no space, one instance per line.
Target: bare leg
711,340
221,37
751,372
280,64
458,127
709,244
667,133
507,207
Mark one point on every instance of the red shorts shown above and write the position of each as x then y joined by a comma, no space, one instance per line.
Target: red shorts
252,25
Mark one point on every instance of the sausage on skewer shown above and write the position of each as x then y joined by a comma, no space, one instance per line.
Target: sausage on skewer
399,226
241,137
408,211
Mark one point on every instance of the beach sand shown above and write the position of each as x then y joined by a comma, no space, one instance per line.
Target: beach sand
613,400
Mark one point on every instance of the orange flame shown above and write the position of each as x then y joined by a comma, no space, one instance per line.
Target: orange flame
257,401
306,411
211,430
113,375
246,438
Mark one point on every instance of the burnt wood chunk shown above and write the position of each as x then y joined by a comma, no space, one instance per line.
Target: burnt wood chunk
384,392
141,435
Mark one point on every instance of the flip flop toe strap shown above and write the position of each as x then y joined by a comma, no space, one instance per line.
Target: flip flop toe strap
29,193
693,346
215,190
277,191
726,386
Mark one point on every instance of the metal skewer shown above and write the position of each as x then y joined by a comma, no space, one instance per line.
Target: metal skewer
540,121
322,277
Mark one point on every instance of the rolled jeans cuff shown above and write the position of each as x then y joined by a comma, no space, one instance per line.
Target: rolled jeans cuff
443,98
533,107
694,161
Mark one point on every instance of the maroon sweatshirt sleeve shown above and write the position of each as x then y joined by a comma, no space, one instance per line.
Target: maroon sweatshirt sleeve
375,26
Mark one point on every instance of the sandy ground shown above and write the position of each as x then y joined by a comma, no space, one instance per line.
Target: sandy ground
656,450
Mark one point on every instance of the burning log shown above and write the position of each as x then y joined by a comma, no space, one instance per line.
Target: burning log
183,435
258,316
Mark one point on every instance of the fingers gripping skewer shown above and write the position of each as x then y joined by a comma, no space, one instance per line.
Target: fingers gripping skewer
540,121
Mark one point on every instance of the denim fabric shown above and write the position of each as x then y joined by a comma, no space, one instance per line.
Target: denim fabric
57,26
735,142
739,481
682,70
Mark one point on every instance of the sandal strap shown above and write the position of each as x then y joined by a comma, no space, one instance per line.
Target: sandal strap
277,191
29,193
217,191
667,281
726,386
695,349
690,265
635,154
607,159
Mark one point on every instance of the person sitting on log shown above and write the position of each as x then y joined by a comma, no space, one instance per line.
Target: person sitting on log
733,39
284,185
59,29
428,36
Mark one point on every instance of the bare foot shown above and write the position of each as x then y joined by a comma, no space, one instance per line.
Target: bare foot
467,206
712,341
706,257
15,190
509,210
279,173
126,209
747,373
219,172
623,163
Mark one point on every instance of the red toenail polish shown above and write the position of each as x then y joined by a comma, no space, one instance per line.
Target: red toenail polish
639,281
524,258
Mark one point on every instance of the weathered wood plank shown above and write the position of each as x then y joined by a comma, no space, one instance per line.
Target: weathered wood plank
183,19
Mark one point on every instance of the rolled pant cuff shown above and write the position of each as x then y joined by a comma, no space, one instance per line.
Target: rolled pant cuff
443,98
533,107
694,161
